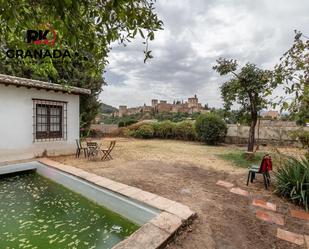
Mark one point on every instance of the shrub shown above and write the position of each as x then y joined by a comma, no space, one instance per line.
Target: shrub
155,127
126,132
144,131
165,129
126,122
130,122
185,130
292,181
121,124
210,128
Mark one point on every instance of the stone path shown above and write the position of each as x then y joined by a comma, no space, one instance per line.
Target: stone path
268,212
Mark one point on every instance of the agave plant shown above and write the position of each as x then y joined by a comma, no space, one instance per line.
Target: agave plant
292,181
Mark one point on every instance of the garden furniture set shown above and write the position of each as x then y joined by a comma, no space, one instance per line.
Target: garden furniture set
93,149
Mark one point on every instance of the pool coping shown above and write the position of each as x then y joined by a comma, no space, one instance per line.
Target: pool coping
154,234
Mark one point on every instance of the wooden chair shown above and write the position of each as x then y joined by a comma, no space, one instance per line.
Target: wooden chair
92,149
263,169
107,152
80,148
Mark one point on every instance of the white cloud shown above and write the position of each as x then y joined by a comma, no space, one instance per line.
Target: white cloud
195,34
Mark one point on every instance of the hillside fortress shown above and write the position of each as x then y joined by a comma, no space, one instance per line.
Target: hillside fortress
190,106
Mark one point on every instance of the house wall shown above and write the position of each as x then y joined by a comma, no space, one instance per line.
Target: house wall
16,123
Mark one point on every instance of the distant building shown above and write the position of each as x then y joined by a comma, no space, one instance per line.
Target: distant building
154,102
191,106
122,110
271,114
163,106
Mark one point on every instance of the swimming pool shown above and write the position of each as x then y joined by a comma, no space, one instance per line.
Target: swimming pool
42,207
52,205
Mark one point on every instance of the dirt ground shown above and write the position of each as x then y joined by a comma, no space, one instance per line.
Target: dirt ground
187,172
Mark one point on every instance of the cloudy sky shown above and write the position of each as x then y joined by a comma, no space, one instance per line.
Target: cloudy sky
196,33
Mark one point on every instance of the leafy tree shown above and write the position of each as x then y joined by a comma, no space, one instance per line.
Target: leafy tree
293,73
238,116
86,28
248,87
302,116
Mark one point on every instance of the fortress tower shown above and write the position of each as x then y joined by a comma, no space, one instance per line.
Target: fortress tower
154,102
122,110
193,102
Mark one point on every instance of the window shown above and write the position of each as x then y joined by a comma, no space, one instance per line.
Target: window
49,120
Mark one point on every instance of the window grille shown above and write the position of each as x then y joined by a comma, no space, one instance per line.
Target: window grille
49,120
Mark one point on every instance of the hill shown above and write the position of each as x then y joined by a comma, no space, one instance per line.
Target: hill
108,109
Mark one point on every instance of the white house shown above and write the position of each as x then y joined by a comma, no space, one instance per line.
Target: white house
37,118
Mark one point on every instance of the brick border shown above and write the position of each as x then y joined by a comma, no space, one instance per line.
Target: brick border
299,214
294,238
263,204
158,231
267,211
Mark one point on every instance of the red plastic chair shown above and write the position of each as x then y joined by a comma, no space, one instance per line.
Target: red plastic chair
264,168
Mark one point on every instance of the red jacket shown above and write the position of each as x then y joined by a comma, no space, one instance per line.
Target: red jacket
266,164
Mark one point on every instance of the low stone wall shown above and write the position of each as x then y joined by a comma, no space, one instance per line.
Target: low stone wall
238,134
104,128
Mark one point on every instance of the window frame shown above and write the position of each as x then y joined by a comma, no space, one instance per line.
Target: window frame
49,134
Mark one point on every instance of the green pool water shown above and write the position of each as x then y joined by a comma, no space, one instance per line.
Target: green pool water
38,213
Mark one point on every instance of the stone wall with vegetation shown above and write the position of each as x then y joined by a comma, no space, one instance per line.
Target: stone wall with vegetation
276,135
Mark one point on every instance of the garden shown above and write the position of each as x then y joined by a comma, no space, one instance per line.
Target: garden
188,172
292,174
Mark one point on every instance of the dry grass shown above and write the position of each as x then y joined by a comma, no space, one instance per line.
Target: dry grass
128,150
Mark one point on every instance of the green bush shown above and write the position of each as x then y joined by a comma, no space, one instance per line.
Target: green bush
144,131
121,124
185,130
165,129
210,128
155,126
126,122
130,122
292,181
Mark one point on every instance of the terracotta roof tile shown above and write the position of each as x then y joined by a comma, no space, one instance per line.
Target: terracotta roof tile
17,81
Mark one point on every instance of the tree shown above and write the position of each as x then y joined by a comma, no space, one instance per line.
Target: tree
248,87
86,28
293,73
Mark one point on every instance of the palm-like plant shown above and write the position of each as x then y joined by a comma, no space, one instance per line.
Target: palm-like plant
292,181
